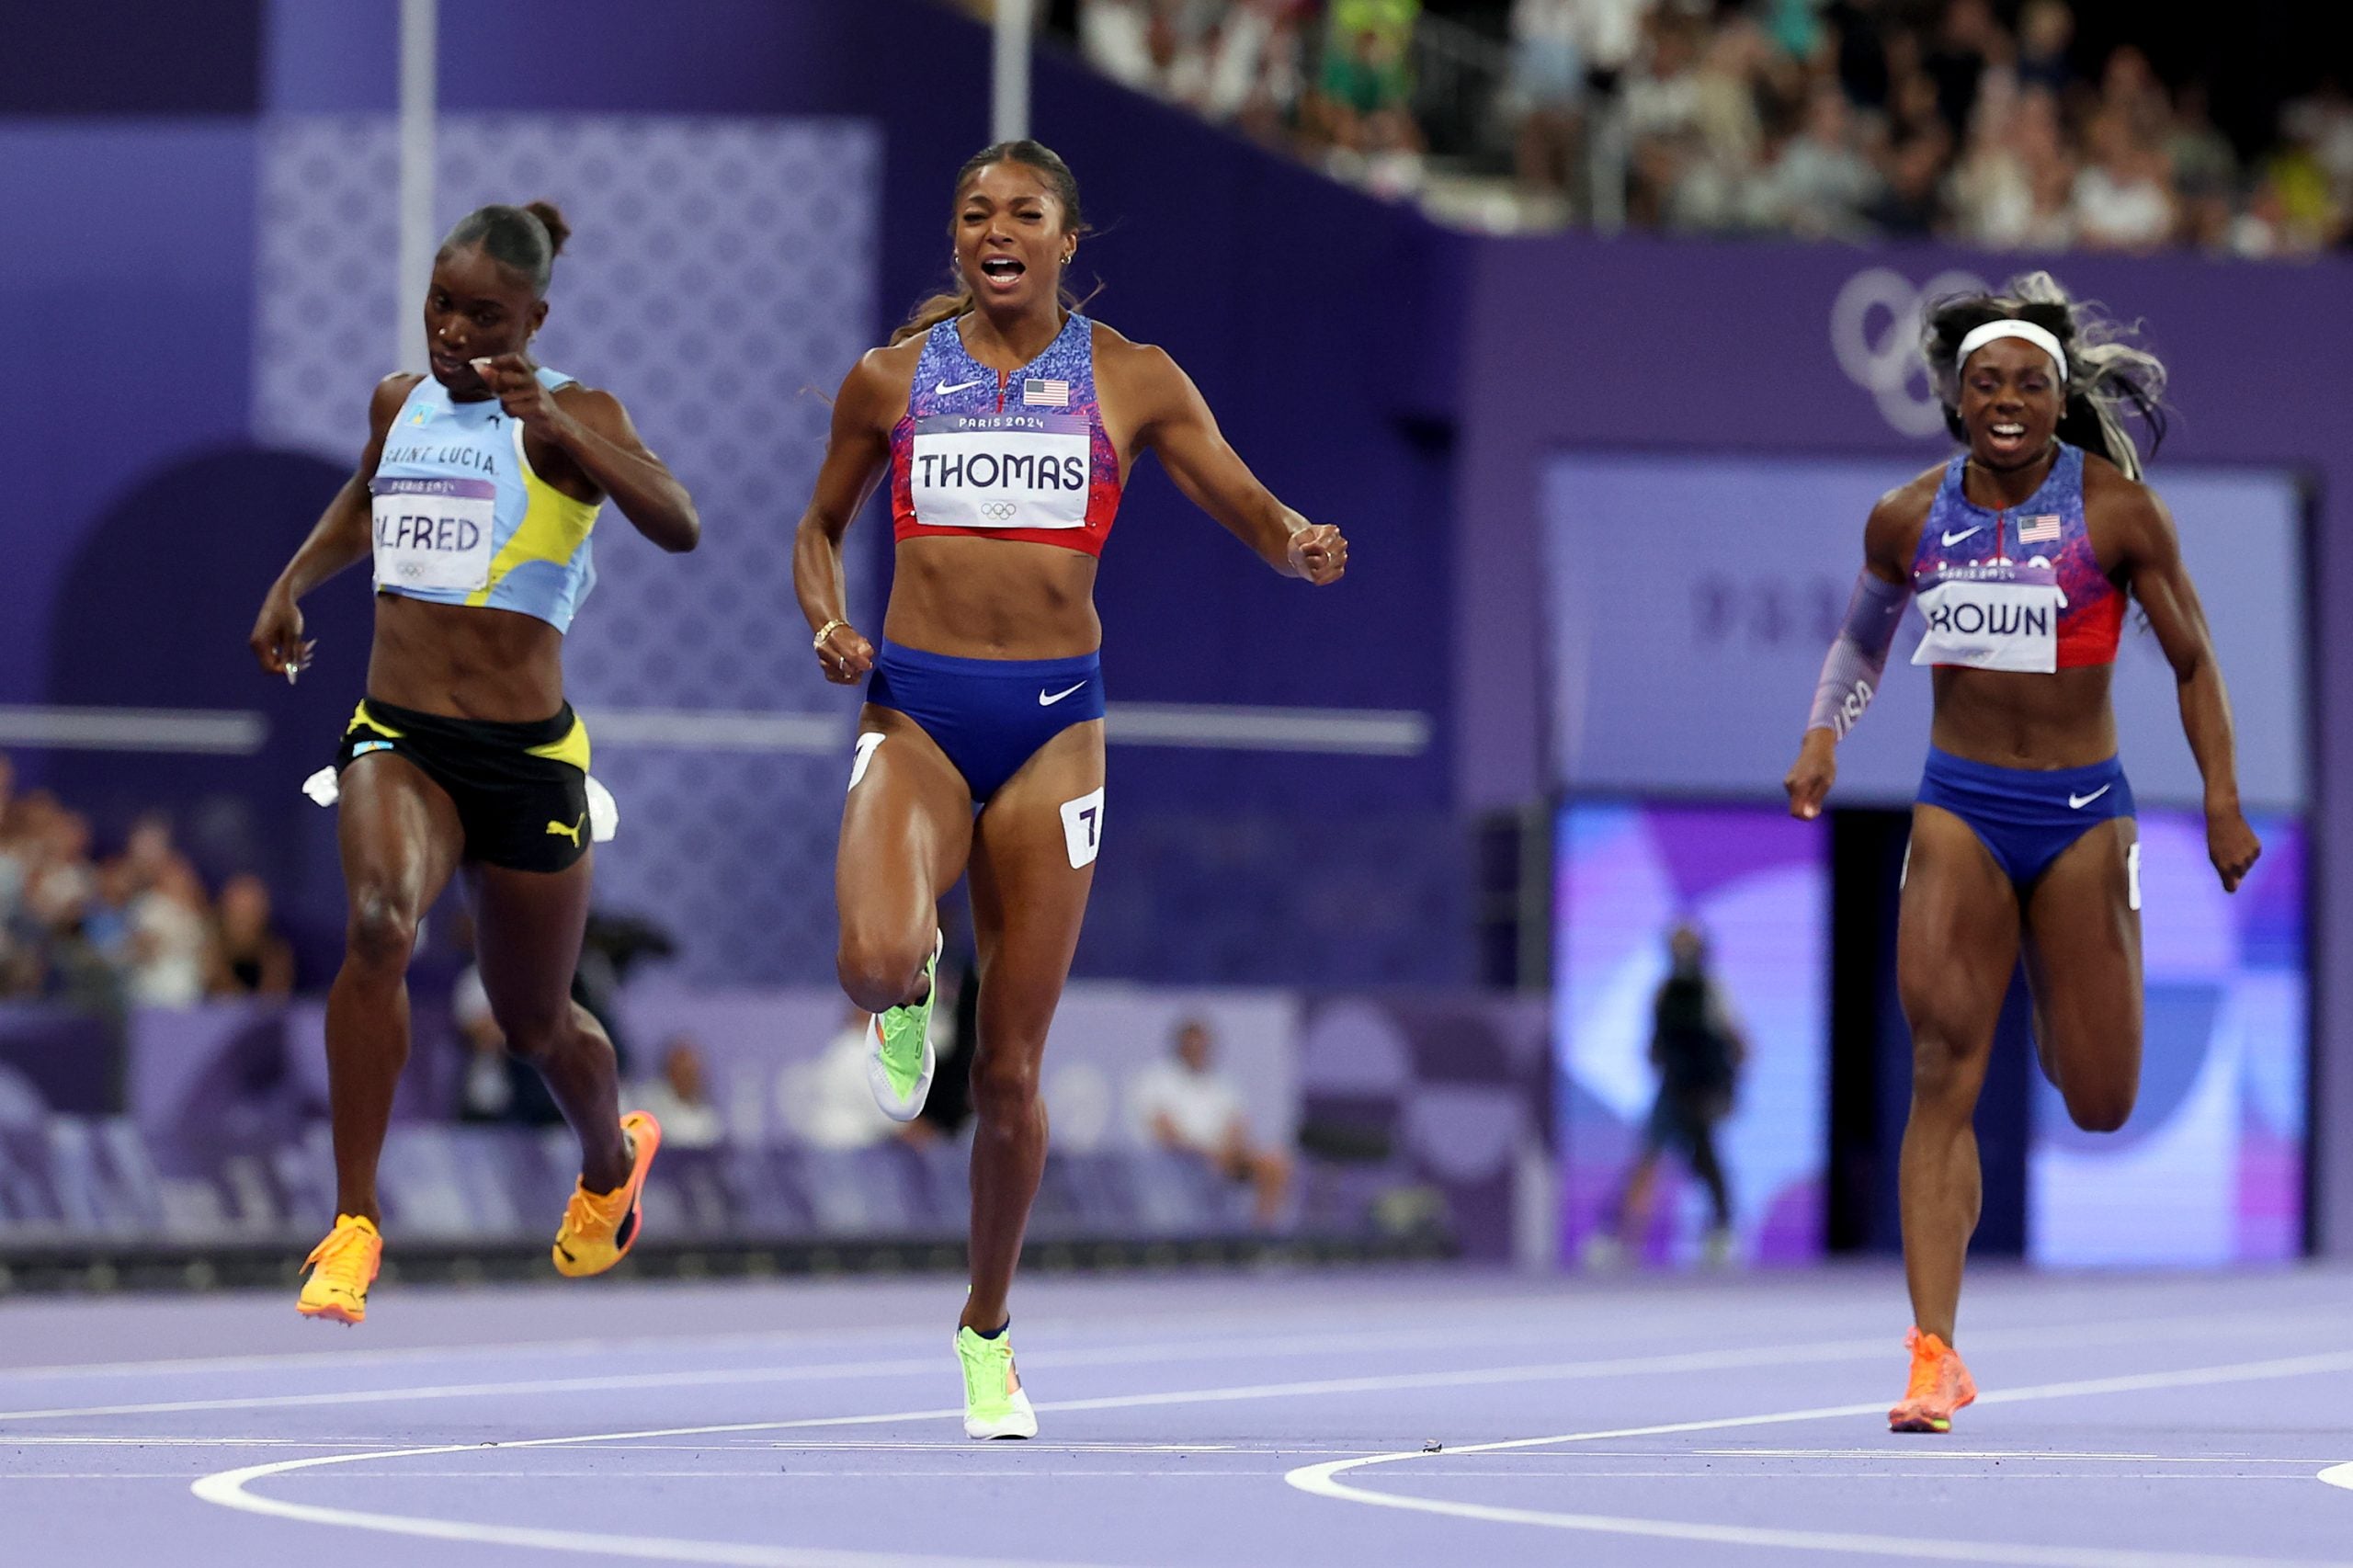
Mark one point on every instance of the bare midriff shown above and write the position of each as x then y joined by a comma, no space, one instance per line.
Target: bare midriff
466,663
992,598
2011,719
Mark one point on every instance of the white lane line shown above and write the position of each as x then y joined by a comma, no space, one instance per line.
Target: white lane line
1323,1480
1730,1358
708,1376
2338,1475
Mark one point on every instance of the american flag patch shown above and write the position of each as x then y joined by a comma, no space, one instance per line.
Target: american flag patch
1036,394
2045,529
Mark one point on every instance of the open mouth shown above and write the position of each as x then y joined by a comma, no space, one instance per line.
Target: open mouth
2005,435
1003,271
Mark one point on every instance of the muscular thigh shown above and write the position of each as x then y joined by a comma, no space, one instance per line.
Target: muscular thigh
397,831
1957,940
2083,937
906,826
1033,865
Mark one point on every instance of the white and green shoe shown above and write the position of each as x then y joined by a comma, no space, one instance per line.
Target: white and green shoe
994,1406
899,1070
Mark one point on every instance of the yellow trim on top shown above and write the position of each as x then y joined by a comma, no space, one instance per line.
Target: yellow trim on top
573,748
362,720
553,528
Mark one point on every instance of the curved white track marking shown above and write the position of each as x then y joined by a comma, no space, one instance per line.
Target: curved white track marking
1322,1481
228,1489
2338,1475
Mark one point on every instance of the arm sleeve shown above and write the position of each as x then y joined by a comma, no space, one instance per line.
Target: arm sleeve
1850,675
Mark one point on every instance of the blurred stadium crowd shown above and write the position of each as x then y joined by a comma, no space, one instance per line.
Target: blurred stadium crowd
138,928
1990,122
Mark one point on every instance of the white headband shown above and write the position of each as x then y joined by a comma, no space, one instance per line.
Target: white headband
2025,330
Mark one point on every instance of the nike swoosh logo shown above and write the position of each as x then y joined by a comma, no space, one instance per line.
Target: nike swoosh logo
943,389
2077,802
1951,539
1045,702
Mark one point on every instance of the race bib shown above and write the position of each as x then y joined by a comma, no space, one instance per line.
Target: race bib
433,533
1000,471
2005,622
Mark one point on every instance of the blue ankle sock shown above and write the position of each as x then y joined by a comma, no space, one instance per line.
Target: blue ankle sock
996,1332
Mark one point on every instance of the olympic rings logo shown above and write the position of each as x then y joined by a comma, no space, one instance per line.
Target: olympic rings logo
997,511
1875,333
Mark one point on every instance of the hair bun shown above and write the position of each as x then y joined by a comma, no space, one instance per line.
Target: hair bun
549,214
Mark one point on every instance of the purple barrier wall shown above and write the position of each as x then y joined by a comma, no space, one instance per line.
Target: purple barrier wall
1645,344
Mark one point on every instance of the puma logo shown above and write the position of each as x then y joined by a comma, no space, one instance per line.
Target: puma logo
573,833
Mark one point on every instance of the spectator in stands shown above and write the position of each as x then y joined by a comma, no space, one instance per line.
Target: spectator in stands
2046,30
1116,37
1548,88
2122,199
170,947
826,1102
1821,183
1184,1104
250,958
1359,114
680,1099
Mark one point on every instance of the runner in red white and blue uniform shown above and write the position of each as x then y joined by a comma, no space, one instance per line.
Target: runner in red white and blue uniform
2020,552
1007,423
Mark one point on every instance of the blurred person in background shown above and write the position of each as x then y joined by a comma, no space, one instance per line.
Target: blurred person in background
680,1098
1547,88
1361,111
475,496
1007,424
1697,1048
2046,32
1184,1104
251,958
2123,197
169,951
1821,183
826,1102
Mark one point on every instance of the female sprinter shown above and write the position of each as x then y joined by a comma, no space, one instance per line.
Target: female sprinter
476,495
2021,552
1007,423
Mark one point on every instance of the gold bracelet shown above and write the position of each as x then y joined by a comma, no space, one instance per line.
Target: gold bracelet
825,631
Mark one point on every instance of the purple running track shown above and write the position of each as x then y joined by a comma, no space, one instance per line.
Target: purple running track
1225,1419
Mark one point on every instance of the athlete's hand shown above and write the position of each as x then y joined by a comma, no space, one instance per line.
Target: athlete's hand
514,381
2232,845
276,640
1810,779
1319,554
845,656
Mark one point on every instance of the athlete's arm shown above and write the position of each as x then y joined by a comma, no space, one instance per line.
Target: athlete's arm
1176,422
593,431
343,537
2155,572
857,450
1857,658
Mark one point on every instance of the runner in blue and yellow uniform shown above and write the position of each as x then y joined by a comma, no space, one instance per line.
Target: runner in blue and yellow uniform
2021,551
475,496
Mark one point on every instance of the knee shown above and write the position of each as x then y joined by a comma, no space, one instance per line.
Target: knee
380,933
1005,1085
2100,1109
877,972
536,1035
1943,1070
